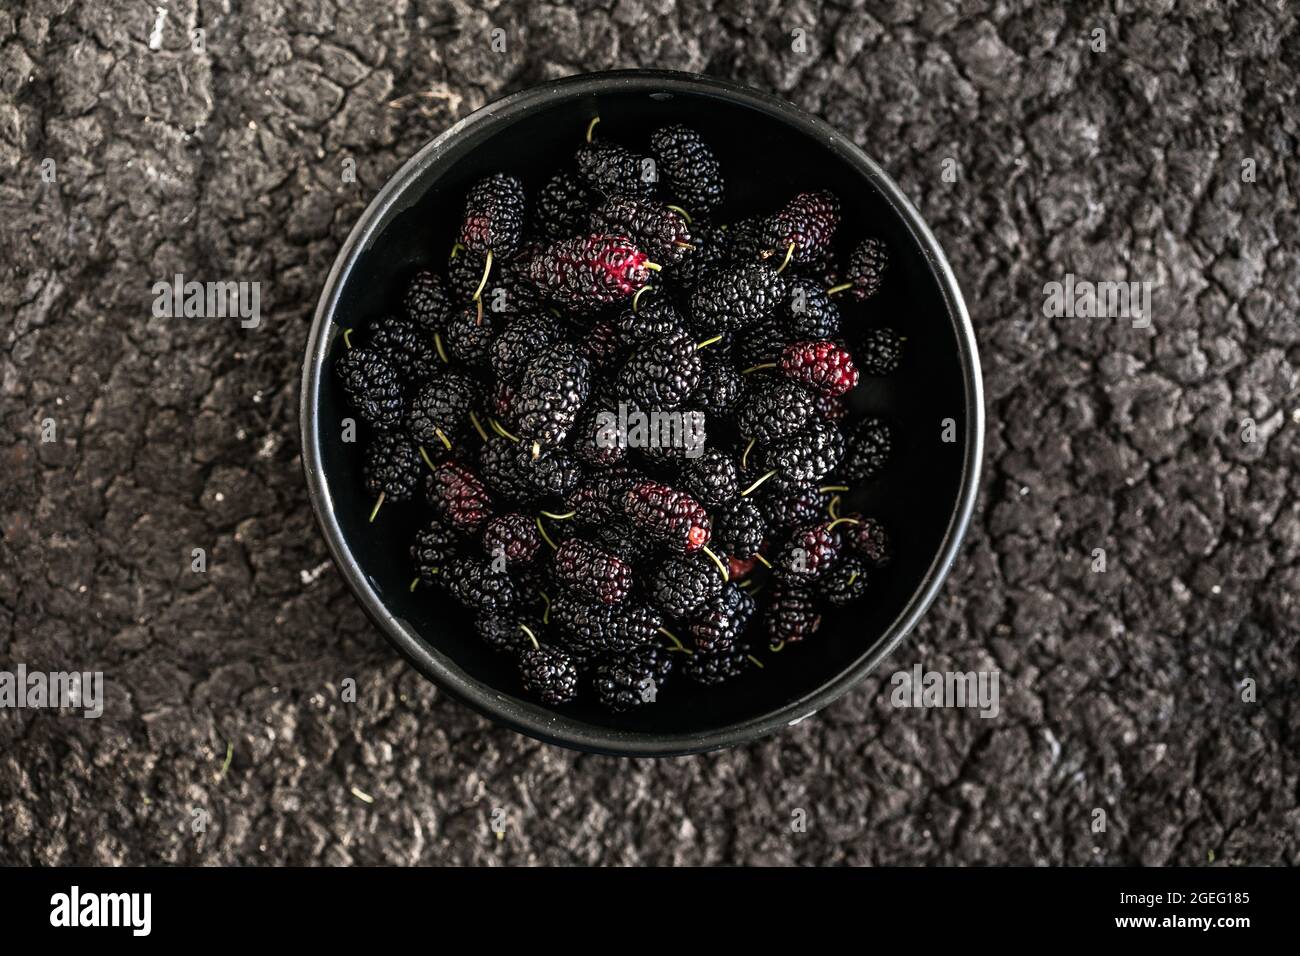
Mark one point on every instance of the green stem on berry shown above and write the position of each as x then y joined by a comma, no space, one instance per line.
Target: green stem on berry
837,289
496,427
763,561
378,504
653,266
427,460
744,459
726,575
832,525
564,517
415,584
707,342
442,352
755,661
689,246
789,253
443,438
758,368
531,636
456,250
347,338
478,426
673,637
831,506
745,493
546,537
776,646
592,126
747,583
487,267
636,298
824,489
546,609
852,577
681,212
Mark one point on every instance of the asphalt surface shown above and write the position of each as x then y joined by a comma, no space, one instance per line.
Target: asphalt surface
1170,157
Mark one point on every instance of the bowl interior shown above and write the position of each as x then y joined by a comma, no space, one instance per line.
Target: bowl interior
766,159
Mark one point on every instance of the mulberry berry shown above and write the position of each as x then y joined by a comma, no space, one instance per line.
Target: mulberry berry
551,391
868,450
684,582
373,386
772,409
657,230
405,345
591,628
808,223
599,499
655,316
870,539
494,215
809,312
734,298
739,528
502,632
674,519
865,272
763,343
809,454
521,339
845,583
662,372
510,468
592,440
512,538
822,366
592,573
712,478
880,351
613,170
474,583
469,332
587,272
718,623
787,505
716,668
458,496
792,614
809,554
688,167
433,548
719,389
392,466
549,675
562,206
440,410
634,679
425,302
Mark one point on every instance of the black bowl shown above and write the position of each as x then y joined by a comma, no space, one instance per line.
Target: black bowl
769,150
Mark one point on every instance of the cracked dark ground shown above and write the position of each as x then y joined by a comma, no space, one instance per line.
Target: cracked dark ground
1121,690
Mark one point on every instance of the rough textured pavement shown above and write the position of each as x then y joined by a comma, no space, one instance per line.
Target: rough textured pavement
1122,690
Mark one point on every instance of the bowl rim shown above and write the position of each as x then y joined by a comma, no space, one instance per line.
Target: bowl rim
533,720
